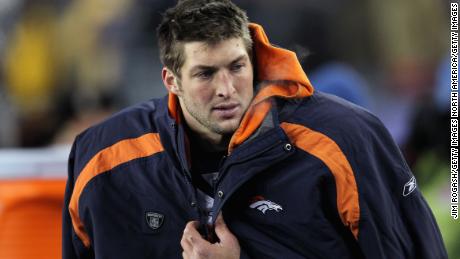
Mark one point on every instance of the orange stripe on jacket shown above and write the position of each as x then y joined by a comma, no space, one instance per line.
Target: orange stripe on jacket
324,148
108,158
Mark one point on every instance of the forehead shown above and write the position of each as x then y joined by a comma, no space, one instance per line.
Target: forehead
198,53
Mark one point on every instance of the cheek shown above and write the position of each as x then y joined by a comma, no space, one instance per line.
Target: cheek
246,86
200,93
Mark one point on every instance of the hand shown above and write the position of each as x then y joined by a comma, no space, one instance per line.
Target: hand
195,247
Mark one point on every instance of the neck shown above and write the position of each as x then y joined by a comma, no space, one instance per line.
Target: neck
203,137
209,142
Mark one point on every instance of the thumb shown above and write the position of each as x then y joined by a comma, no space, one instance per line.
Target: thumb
222,231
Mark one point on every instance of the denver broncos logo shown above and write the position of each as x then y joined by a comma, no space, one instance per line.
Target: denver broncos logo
263,205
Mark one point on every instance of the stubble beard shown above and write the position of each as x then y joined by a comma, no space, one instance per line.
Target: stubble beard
206,122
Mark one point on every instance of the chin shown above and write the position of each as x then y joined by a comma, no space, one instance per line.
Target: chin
228,127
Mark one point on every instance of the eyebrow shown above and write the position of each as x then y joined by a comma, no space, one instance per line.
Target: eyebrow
238,59
204,67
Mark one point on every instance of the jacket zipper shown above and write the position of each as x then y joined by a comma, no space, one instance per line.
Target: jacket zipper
226,166
235,187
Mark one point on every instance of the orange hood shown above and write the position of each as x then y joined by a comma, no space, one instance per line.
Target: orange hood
281,75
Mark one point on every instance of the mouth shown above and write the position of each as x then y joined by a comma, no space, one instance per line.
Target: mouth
226,110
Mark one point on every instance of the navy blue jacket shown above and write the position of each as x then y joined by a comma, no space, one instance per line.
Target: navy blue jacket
308,175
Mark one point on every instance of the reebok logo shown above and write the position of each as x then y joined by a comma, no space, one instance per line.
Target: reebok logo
259,203
410,186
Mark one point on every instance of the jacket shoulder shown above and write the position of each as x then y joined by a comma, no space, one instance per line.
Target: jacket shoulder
131,122
358,133
334,116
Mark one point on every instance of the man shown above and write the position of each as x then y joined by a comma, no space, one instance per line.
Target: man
241,160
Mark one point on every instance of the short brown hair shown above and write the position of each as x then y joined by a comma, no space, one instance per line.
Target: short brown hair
210,21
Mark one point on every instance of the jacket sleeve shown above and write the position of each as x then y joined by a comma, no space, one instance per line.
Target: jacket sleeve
395,220
72,247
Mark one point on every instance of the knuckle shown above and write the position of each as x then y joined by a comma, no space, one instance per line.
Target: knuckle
201,252
186,229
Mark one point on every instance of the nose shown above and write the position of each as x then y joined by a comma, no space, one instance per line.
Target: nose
225,85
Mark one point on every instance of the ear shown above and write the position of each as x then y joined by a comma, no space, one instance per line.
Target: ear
170,81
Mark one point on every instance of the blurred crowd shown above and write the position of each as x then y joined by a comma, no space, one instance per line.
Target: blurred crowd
67,64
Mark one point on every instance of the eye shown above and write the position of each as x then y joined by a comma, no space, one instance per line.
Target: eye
237,67
205,74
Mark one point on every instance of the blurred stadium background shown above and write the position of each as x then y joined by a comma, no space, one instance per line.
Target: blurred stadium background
67,64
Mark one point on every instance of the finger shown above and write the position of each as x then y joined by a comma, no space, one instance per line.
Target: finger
193,239
191,230
191,225
185,243
222,231
187,236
